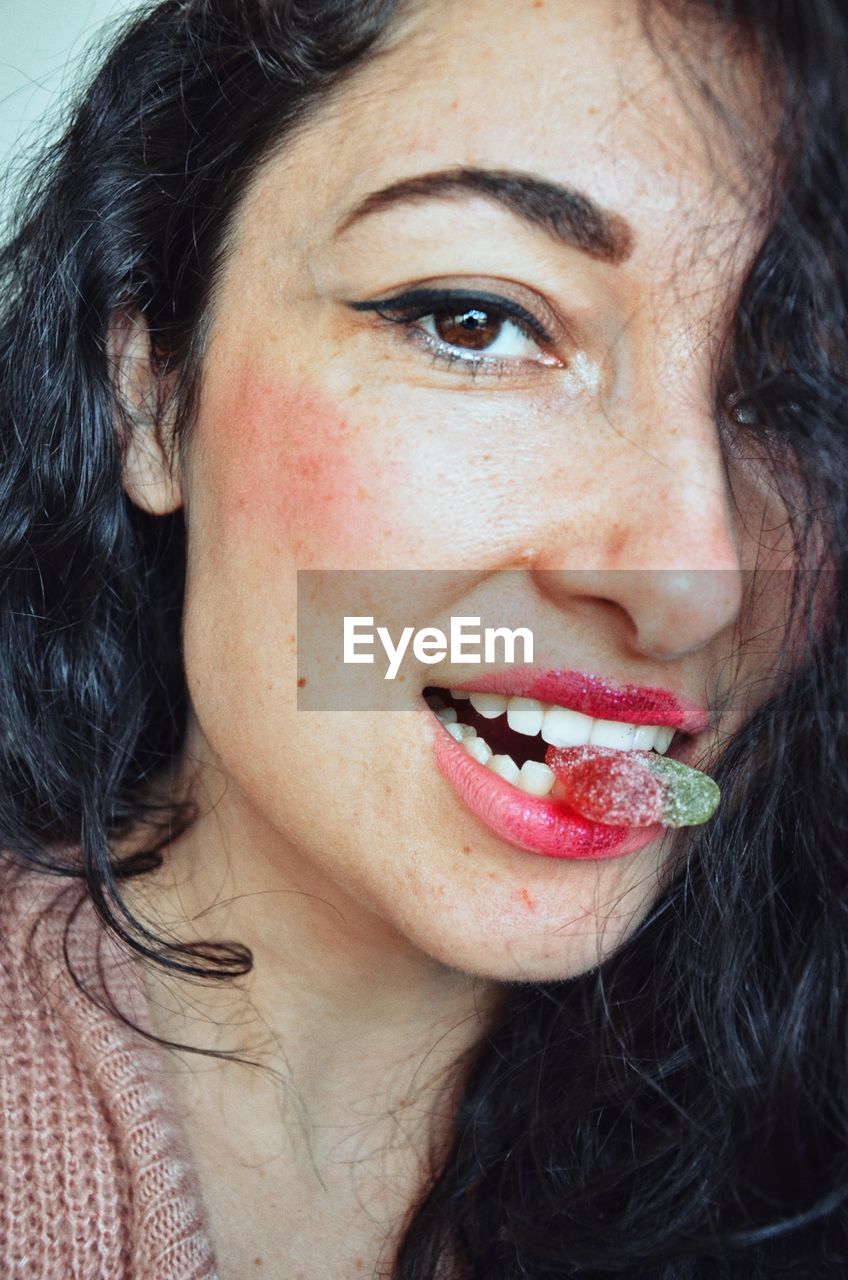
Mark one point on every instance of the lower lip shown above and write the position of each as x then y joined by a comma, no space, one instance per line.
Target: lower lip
528,822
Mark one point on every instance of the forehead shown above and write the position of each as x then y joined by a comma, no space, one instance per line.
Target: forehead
570,91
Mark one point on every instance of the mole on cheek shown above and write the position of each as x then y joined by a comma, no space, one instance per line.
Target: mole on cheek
296,466
527,899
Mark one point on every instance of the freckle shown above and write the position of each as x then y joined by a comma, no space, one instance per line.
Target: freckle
301,684
359,1264
616,542
257,1262
454,104
466,848
354,391
292,640
528,901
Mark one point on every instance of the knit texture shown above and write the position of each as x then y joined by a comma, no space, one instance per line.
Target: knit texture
95,1178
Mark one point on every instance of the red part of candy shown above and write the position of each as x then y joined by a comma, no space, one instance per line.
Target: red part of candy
608,786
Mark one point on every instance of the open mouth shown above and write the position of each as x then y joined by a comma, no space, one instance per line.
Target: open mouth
510,735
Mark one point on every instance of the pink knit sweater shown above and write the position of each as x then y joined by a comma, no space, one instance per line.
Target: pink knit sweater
95,1180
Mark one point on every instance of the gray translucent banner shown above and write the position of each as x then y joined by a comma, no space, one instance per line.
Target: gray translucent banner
373,639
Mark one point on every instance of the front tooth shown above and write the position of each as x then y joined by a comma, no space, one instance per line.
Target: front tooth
535,778
458,695
646,737
489,705
505,767
447,715
664,737
525,715
478,749
564,728
612,733
461,731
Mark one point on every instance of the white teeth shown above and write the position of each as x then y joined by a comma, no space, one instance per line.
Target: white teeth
478,749
564,728
524,715
505,767
664,737
612,733
535,778
645,737
461,731
559,727
489,705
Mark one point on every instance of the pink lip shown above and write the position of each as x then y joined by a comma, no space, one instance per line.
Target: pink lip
535,825
594,696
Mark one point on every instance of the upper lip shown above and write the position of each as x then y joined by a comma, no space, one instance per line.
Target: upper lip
594,695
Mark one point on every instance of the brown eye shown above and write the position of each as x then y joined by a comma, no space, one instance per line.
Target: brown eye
472,328
741,410
482,333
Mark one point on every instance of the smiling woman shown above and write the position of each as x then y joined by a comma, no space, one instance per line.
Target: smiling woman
313,300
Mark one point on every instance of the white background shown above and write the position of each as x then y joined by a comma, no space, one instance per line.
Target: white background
43,47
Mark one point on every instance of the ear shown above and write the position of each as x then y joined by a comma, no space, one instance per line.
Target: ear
150,471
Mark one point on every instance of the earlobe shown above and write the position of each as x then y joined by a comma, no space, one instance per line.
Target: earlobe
150,473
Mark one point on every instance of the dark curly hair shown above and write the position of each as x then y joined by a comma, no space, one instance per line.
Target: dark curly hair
681,1111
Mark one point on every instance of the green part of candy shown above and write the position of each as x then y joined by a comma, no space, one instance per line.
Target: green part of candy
691,796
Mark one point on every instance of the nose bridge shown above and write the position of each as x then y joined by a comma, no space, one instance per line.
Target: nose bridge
662,543
671,504
662,403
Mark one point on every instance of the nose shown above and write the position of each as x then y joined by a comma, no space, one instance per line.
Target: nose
655,547
668,612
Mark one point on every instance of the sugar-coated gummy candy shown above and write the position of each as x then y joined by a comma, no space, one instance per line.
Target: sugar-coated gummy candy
632,788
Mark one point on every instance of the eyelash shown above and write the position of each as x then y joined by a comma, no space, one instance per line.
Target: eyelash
420,304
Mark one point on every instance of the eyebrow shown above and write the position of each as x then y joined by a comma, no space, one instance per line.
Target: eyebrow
565,214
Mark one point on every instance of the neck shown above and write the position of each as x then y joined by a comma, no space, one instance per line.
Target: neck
357,1024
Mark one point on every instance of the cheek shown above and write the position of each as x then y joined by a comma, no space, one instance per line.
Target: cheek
297,474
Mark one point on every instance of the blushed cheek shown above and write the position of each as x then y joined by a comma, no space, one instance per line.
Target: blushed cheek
298,476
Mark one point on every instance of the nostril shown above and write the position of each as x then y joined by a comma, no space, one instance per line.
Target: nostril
676,612
657,613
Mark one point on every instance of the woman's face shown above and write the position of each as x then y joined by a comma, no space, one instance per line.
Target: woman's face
582,455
